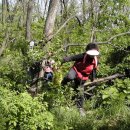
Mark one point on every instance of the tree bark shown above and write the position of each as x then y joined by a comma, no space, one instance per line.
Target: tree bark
45,8
22,18
65,2
4,44
50,20
3,11
84,10
29,20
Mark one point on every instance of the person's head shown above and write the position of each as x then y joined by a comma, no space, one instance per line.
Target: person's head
92,49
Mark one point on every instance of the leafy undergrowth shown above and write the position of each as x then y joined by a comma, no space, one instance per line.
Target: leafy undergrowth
111,117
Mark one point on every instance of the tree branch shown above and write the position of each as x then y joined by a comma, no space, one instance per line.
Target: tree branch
65,25
97,81
104,42
110,39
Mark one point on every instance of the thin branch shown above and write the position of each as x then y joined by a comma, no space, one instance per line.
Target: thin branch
105,42
79,21
65,25
92,35
110,39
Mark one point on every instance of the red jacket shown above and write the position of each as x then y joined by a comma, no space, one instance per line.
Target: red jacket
83,65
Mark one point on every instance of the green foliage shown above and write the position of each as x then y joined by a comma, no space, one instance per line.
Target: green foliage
67,118
23,112
109,94
37,29
56,96
53,107
117,92
123,87
20,45
114,116
12,70
57,77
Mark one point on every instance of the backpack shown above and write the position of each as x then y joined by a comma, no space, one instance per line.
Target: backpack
48,71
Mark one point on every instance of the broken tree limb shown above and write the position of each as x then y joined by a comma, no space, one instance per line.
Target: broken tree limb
97,81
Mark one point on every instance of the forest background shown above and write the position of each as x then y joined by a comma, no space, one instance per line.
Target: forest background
63,27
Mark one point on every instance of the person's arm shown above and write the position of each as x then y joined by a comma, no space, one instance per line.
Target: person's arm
73,58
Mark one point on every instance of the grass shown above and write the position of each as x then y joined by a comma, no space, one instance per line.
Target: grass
115,116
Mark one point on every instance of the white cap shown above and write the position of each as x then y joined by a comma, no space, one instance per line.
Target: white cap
93,52
32,43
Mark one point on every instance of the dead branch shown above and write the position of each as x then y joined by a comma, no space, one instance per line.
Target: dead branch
98,81
105,42
110,39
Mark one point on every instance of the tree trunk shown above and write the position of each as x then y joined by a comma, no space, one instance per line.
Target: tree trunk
3,11
45,8
65,9
50,20
84,10
29,20
22,18
5,42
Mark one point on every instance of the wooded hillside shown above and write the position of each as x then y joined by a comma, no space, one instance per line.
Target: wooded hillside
60,28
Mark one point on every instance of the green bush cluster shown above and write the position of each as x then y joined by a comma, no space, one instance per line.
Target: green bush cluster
22,112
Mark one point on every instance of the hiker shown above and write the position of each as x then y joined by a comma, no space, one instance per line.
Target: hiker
47,68
41,73
83,69
42,69
34,70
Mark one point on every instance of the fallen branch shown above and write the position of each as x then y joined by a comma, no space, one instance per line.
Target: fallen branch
97,81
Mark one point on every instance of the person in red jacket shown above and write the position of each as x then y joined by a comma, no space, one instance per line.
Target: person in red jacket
83,69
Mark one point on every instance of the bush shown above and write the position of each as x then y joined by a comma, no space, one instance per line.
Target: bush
22,112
